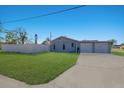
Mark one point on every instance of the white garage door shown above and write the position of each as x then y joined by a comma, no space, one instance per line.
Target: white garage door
101,48
86,48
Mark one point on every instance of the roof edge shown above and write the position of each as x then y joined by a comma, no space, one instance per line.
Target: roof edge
83,41
65,38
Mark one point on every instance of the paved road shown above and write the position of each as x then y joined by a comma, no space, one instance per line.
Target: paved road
6,82
91,70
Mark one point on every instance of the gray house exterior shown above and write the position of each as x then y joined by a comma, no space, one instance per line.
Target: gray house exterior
64,44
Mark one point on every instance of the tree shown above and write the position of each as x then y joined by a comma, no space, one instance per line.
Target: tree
18,36
114,41
11,37
1,31
22,36
46,42
1,38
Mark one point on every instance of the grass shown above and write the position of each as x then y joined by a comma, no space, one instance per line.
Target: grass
118,52
35,68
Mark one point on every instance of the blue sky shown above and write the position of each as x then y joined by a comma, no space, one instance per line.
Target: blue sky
89,22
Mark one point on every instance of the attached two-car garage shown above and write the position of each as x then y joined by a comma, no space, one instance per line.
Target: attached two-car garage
95,47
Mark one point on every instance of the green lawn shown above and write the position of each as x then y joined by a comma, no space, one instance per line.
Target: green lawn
119,52
35,68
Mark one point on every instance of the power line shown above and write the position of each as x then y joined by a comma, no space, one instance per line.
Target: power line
43,15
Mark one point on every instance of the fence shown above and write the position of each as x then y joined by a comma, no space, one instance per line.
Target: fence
25,48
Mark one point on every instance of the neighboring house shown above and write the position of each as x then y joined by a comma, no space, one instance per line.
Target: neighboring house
122,46
64,44
116,46
119,46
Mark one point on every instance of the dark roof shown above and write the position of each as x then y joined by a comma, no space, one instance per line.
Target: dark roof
83,41
117,45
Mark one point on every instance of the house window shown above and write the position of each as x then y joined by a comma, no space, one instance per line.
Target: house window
72,44
63,46
54,47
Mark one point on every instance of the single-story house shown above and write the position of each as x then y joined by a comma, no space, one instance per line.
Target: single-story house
122,46
116,46
64,44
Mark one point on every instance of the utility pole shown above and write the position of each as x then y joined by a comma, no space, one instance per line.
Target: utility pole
36,37
50,37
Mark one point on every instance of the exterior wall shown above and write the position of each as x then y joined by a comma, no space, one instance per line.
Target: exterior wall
24,48
68,45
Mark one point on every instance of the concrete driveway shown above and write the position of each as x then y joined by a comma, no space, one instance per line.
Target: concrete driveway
91,70
94,70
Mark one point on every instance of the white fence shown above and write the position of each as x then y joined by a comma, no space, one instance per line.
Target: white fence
25,48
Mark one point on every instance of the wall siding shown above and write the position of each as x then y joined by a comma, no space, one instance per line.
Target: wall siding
68,45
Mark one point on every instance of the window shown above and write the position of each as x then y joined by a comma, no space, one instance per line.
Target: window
63,46
54,47
72,44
